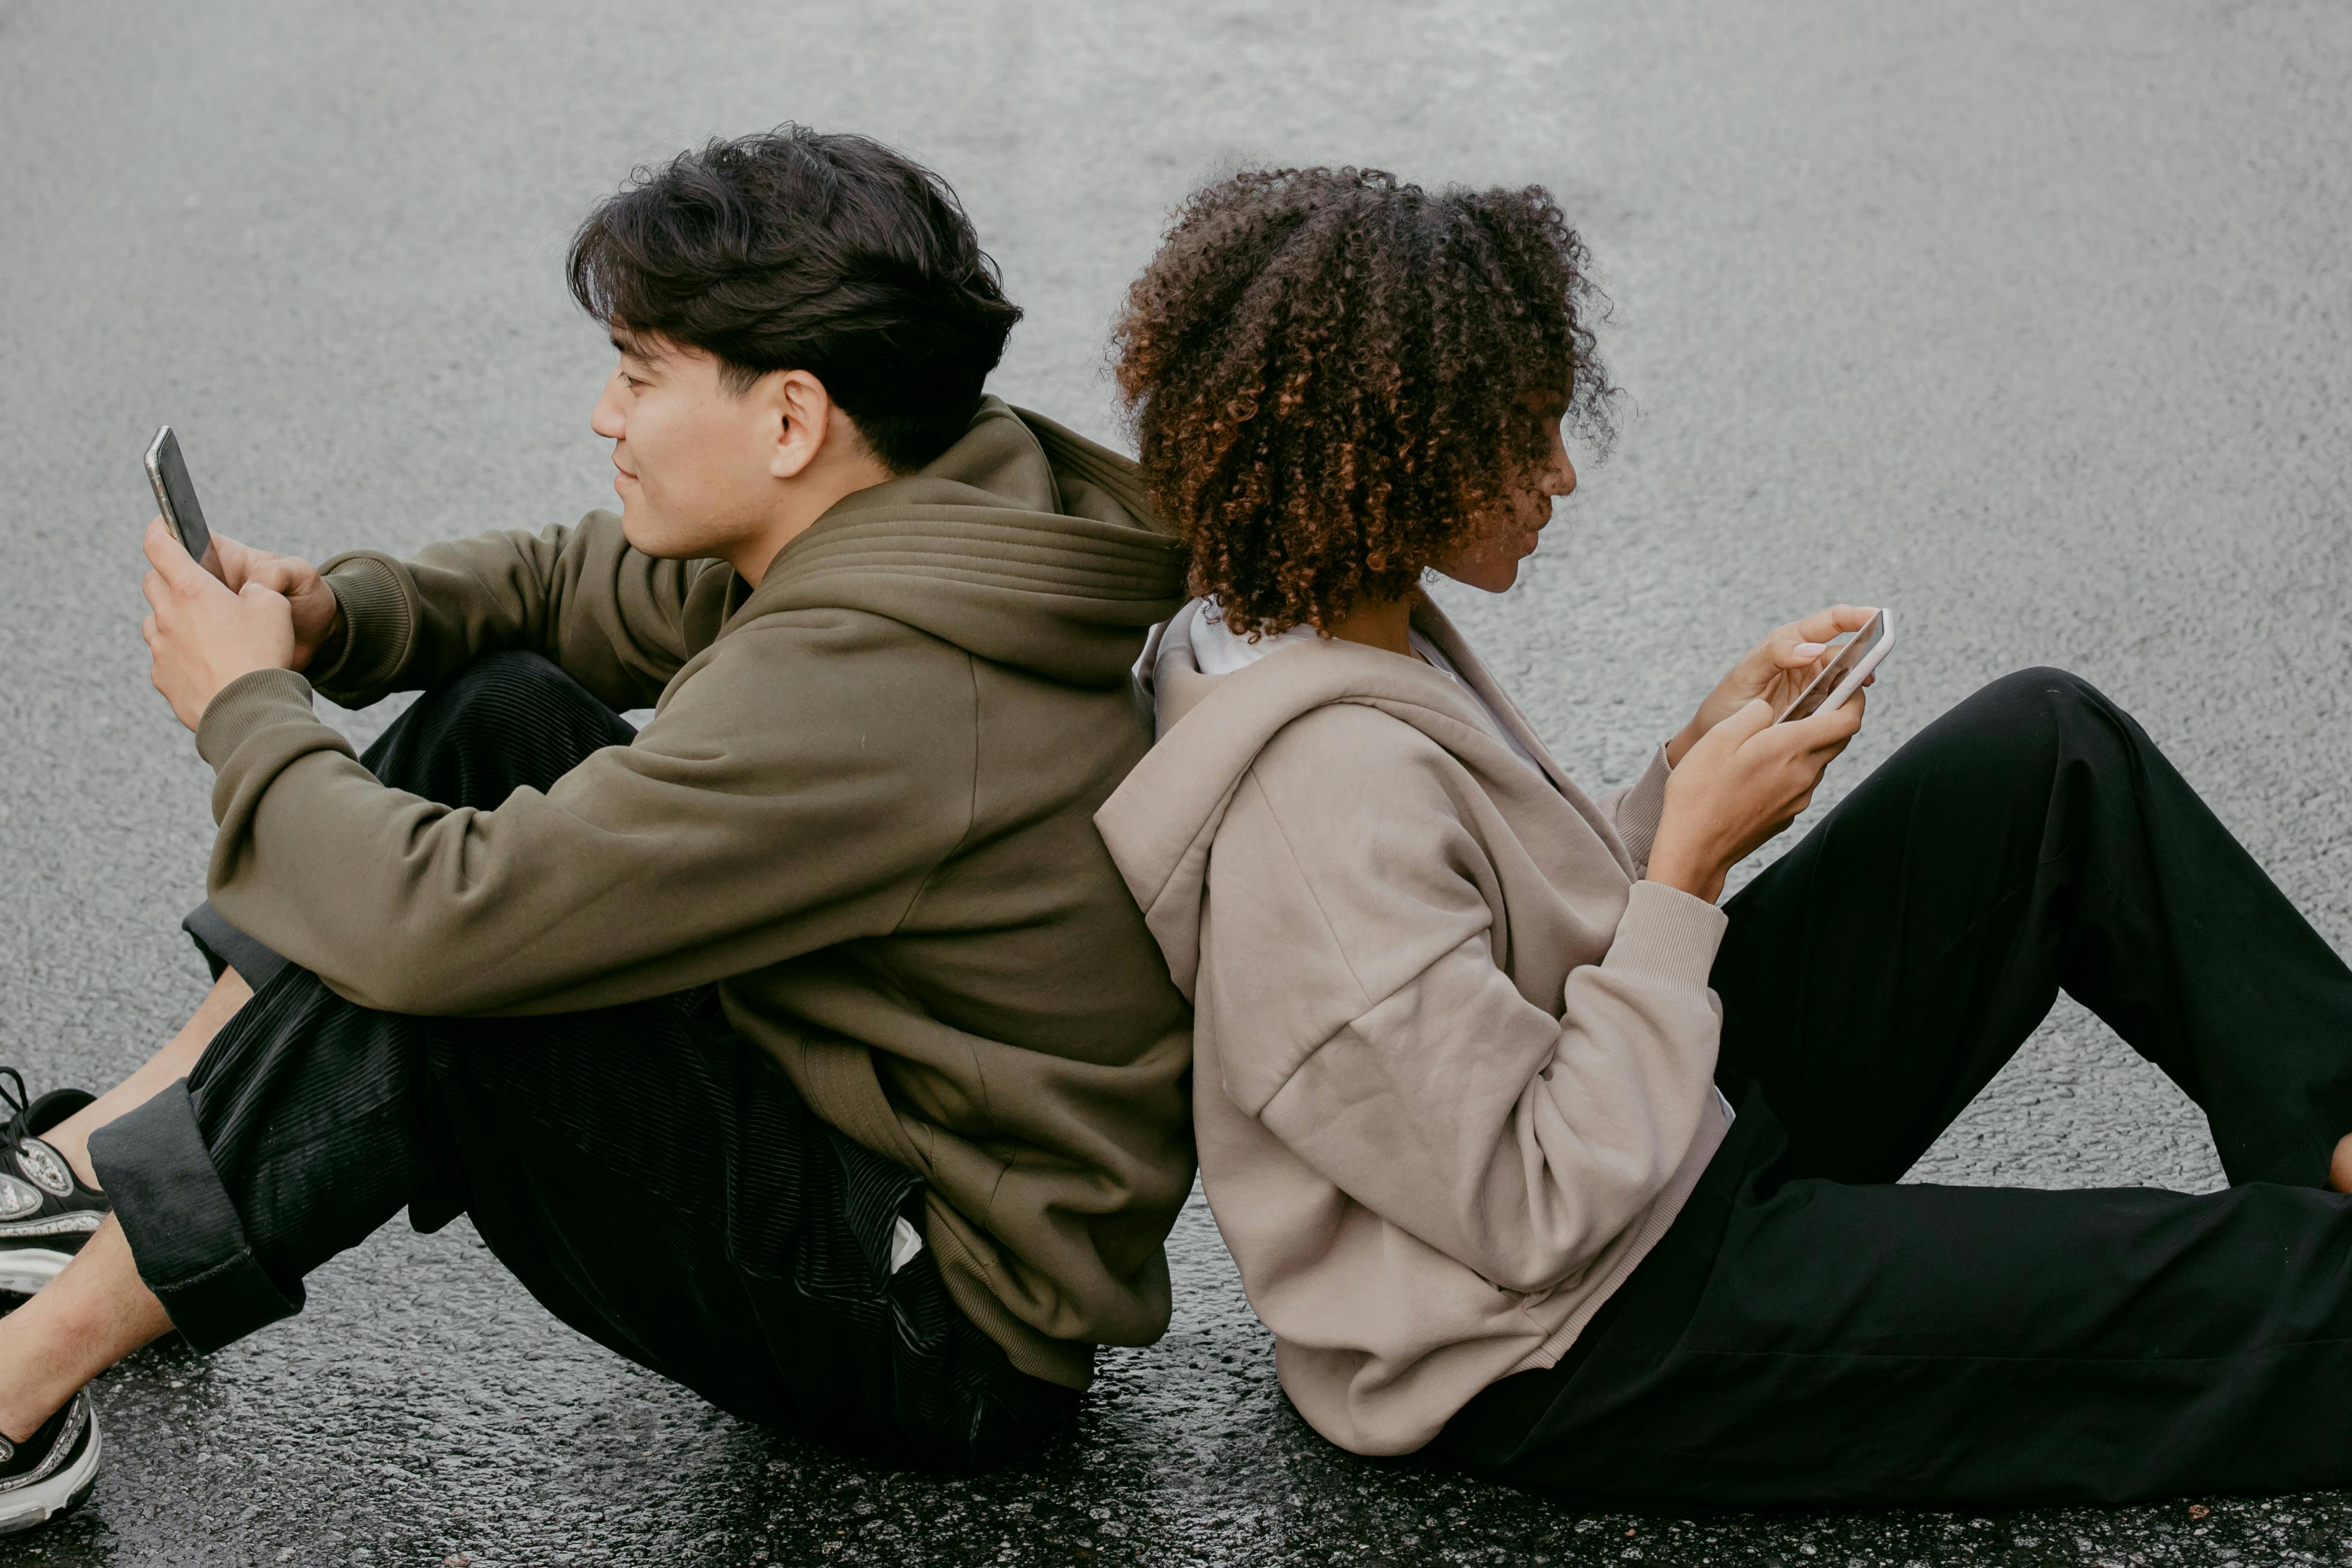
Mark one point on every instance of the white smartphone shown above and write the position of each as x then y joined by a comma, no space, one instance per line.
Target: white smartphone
1847,669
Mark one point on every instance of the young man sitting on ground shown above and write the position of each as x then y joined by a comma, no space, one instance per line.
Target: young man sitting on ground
805,1046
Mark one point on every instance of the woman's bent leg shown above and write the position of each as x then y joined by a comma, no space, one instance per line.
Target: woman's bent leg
1812,1344
1809,1333
2032,839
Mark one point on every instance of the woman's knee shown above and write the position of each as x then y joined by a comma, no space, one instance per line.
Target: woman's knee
2041,687
2037,701
2044,719
2023,726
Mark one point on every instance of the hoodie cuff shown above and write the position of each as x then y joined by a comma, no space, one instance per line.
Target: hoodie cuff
377,626
250,703
257,725
1667,935
1641,807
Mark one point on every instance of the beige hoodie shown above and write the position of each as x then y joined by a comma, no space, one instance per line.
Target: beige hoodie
1452,1061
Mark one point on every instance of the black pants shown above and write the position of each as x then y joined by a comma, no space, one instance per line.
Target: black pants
646,1173
1809,1333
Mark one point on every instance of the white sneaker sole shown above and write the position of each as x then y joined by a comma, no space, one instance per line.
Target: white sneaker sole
63,1493
25,1270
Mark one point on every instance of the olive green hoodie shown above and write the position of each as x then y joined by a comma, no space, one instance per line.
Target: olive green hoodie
863,806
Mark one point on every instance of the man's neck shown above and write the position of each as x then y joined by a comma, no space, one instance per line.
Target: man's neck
811,496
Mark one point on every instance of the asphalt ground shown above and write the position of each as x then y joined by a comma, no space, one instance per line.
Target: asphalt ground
2031,321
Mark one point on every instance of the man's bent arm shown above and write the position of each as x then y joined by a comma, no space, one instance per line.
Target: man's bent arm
612,617
792,796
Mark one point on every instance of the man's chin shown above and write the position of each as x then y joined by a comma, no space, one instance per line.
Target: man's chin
660,539
643,538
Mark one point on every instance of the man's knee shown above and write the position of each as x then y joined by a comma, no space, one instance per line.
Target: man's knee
494,686
505,699
509,719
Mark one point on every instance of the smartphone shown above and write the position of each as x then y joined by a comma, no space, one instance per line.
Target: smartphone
1847,669
175,497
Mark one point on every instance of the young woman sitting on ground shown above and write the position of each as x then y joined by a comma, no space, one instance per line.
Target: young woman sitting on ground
1535,1159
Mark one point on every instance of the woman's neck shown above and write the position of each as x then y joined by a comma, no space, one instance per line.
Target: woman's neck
1377,623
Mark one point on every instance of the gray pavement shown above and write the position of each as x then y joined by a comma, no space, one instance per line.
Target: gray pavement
2033,321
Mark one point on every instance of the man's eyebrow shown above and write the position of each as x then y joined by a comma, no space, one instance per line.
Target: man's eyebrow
634,347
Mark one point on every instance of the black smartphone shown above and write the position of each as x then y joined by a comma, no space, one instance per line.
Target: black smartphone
175,497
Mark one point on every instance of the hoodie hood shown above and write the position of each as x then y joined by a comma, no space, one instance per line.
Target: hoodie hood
1023,544
1160,823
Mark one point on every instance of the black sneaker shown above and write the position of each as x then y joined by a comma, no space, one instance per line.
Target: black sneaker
46,1213
50,1472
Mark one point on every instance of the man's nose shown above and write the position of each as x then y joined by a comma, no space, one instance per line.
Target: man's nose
604,419
1564,482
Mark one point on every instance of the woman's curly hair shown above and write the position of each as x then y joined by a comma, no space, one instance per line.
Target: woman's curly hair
1330,375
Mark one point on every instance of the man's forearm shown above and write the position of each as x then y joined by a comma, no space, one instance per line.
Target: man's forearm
612,618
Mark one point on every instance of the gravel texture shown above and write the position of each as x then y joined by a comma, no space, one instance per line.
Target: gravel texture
2033,321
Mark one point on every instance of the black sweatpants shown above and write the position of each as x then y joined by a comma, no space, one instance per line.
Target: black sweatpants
1809,1333
645,1172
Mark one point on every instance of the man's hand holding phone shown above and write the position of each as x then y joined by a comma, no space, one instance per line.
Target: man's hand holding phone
318,619
204,634
219,609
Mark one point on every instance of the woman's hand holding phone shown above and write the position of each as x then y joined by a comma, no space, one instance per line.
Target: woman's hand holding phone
1739,785
1775,670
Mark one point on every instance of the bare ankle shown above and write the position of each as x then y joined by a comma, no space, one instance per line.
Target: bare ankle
70,1137
95,1312
19,1425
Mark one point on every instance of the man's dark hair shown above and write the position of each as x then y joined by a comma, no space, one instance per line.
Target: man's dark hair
797,250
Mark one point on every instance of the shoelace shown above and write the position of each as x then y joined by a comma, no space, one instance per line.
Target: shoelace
20,1121
20,1100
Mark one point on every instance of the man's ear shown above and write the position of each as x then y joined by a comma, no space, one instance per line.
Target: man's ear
805,419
